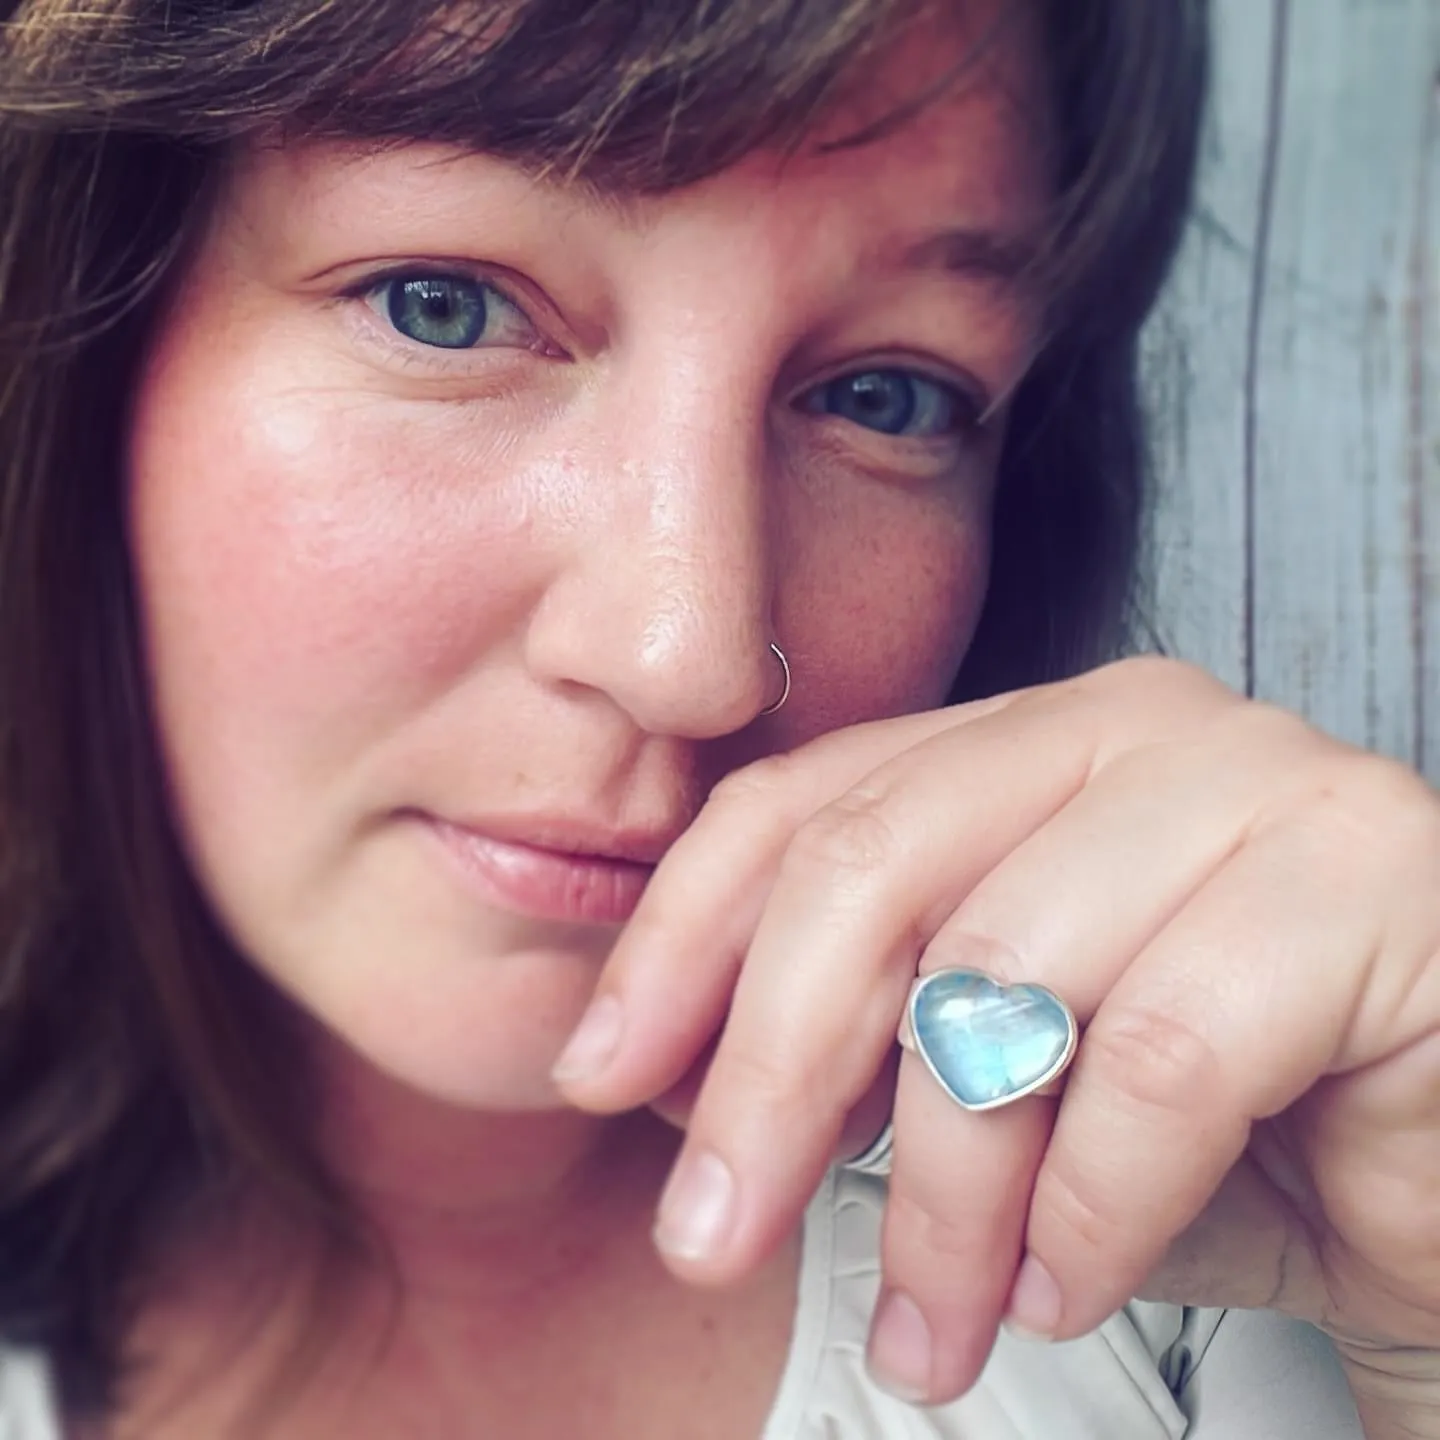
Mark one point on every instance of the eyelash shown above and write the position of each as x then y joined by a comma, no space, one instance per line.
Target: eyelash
974,410
371,293
965,413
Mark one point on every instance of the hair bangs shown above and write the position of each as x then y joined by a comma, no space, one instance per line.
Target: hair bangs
641,96
115,116
635,96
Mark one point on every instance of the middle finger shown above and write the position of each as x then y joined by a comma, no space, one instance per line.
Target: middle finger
859,893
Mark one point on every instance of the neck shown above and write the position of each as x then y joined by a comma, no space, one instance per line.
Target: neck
517,1247
473,1201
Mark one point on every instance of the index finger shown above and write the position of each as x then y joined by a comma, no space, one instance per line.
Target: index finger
666,987
860,893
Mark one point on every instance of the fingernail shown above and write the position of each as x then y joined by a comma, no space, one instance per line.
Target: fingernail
900,1349
596,1039
697,1208
1034,1312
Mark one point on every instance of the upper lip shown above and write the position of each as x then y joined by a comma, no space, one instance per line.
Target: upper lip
568,835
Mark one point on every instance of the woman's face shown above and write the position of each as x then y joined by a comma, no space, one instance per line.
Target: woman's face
464,508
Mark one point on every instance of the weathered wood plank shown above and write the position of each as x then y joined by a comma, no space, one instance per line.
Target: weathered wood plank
1424,366
1196,365
1333,544
1295,373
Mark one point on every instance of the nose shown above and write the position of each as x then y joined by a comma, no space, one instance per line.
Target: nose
664,600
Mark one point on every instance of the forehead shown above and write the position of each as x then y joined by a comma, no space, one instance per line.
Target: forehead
952,123
956,67
939,143
961,91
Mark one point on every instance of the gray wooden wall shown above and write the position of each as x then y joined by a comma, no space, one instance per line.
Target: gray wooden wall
1294,370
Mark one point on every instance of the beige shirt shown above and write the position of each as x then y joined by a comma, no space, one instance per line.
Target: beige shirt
1152,1372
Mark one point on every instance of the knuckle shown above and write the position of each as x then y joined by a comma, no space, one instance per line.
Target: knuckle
1351,810
1267,729
779,1078
921,1229
1384,803
1149,675
1145,670
1363,815
852,836
1152,1062
752,786
1137,701
1071,1202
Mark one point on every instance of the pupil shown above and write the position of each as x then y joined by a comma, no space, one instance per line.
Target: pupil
882,400
446,313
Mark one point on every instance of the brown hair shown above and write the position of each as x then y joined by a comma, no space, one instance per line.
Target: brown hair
131,1058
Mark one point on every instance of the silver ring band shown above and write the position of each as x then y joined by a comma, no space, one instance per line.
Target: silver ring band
875,1160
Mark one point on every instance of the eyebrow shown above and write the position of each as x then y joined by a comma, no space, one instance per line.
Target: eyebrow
992,255
986,254
618,201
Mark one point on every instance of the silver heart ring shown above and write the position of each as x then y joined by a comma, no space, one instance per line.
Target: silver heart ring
988,1044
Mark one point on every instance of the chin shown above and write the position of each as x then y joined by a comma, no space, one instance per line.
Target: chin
480,1034
402,976
486,1062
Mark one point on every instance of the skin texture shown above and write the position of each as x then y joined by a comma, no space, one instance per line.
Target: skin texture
1202,1151
540,580
530,587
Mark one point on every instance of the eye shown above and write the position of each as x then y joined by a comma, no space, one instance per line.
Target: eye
895,402
450,312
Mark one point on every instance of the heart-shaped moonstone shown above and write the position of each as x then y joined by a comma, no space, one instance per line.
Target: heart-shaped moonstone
988,1043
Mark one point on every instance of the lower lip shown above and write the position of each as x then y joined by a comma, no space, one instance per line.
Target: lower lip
547,884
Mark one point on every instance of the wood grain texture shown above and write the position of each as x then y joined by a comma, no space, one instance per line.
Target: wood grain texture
1424,429
1293,371
1196,353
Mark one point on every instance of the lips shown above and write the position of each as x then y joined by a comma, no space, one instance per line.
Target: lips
557,871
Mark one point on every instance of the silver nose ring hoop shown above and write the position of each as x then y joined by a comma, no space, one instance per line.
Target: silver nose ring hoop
784,680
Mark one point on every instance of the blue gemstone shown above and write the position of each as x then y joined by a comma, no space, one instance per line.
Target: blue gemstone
985,1042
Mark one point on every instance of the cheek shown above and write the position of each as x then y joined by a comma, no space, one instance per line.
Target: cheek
287,542
313,570
893,590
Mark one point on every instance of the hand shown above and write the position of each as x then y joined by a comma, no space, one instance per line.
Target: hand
1244,915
